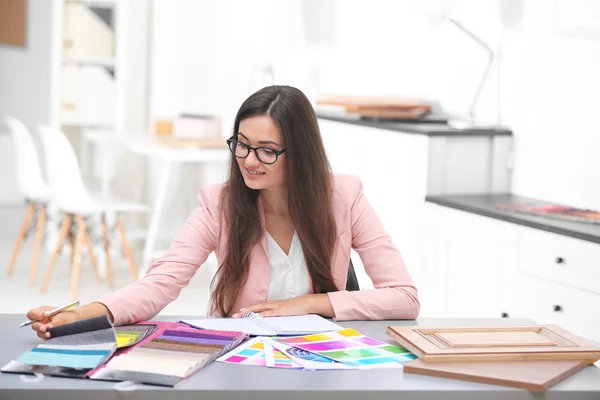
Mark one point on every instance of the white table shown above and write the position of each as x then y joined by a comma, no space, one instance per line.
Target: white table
169,157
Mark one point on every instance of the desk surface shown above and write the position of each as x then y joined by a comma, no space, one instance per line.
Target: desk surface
226,381
144,146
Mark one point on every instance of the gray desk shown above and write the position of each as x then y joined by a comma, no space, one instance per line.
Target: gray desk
225,381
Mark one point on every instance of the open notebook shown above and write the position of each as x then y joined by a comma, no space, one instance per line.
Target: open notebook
255,325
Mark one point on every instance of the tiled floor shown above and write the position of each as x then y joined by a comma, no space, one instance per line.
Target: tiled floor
16,296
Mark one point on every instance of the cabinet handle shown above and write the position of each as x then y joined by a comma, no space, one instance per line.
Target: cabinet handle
504,315
560,260
557,308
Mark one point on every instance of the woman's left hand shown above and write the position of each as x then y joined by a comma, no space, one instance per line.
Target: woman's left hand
307,304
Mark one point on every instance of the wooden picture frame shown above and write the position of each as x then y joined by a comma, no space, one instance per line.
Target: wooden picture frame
498,343
536,376
13,23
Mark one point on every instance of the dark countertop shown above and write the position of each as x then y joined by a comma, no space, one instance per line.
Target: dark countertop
419,128
486,205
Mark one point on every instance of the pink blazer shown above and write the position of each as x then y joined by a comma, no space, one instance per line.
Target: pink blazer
394,295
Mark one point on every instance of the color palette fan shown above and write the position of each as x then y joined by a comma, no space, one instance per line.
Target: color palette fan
350,347
308,360
343,349
258,352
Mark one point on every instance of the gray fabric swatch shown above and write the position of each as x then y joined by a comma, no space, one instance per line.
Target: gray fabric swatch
85,338
87,325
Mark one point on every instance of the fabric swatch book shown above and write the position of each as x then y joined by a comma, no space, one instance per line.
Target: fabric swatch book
255,325
129,338
169,358
73,350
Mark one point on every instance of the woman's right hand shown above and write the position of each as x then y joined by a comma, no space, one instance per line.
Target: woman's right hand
43,323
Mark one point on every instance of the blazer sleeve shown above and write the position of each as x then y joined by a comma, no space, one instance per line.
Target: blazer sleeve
146,297
394,295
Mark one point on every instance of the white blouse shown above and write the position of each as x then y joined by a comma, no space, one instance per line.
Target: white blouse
289,275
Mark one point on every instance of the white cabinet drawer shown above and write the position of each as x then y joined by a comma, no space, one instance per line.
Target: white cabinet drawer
549,303
560,258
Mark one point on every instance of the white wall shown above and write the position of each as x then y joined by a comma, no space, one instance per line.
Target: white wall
205,59
551,100
208,56
24,88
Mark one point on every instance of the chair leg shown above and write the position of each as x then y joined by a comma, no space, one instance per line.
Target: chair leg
64,231
21,238
90,248
39,235
72,244
79,243
109,275
127,250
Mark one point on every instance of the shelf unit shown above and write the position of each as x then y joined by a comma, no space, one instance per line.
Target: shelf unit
89,59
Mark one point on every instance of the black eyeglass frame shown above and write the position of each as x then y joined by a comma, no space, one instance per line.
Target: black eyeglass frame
255,149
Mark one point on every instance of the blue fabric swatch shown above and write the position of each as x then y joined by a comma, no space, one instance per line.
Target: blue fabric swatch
61,360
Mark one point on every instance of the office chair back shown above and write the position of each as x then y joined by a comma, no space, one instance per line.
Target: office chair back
352,282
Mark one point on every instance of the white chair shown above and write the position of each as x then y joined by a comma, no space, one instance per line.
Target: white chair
33,187
71,196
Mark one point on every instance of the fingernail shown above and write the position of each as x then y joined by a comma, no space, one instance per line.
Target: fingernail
242,309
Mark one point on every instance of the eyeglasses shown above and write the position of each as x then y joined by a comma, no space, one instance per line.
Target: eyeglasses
264,154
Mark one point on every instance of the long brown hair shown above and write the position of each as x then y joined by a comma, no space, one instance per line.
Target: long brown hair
309,192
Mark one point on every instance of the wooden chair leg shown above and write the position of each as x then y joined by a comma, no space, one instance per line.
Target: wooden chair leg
64,230
109,274
79,243
127,250
90,248
21,238
72,244
39,235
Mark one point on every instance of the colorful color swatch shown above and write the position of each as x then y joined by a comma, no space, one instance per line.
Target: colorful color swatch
259,351
308,360
351,348
276,358
250,353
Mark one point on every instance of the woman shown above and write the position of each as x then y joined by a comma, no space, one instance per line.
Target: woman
282,227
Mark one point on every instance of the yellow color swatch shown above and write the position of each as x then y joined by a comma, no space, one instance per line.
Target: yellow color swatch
349,332
257,345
